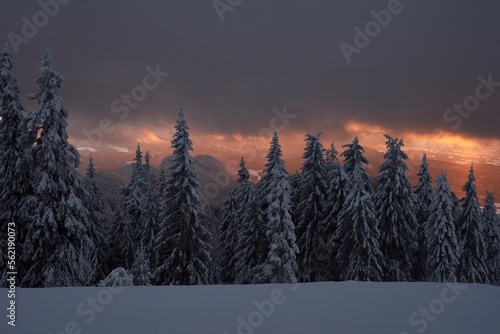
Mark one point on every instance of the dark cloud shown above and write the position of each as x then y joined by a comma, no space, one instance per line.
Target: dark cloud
267,54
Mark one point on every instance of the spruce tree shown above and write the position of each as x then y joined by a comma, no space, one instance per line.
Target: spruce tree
491,231
281,263
228,232
15,176
265,180
96,209
442,246
61,224
472,267
140,268
396,213
353,156
339,188
149,210
252,246
183,241
242,192
134,198
331,159
313,190
358,256
423,198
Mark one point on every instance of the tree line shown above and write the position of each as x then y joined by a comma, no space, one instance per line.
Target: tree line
327,223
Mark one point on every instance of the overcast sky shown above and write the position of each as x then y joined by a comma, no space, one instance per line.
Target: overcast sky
230,74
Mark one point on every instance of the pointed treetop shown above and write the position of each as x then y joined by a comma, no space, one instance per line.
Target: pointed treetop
49,81
331,155
243,174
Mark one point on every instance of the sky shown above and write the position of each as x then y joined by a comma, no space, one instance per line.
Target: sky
242,69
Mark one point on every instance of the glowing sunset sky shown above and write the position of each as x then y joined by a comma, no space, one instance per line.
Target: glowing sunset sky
234,77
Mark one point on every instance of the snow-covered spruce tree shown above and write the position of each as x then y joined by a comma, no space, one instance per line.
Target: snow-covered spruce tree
61,224
491,231
331,159
133,194
472,268
353,156
339,188
141,269
149,208
95,206
15,176
183,241
281,263
396,213
265,180
313,190
252,246
423,198
229,237
443,249
242,191
358,256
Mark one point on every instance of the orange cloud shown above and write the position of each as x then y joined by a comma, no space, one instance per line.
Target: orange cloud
149,137
219,136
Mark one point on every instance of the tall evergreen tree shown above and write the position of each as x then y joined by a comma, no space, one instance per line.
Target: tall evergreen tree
95,206
423,198
358,256
396,213
242,192
331,158
339,188
229,237
183,241
281,263
265,180
61,224
149,210
313,190
133,194
491,230
472,267
353,157
15,176
443,249
252,246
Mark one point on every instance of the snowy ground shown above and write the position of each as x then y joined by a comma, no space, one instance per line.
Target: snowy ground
347,307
